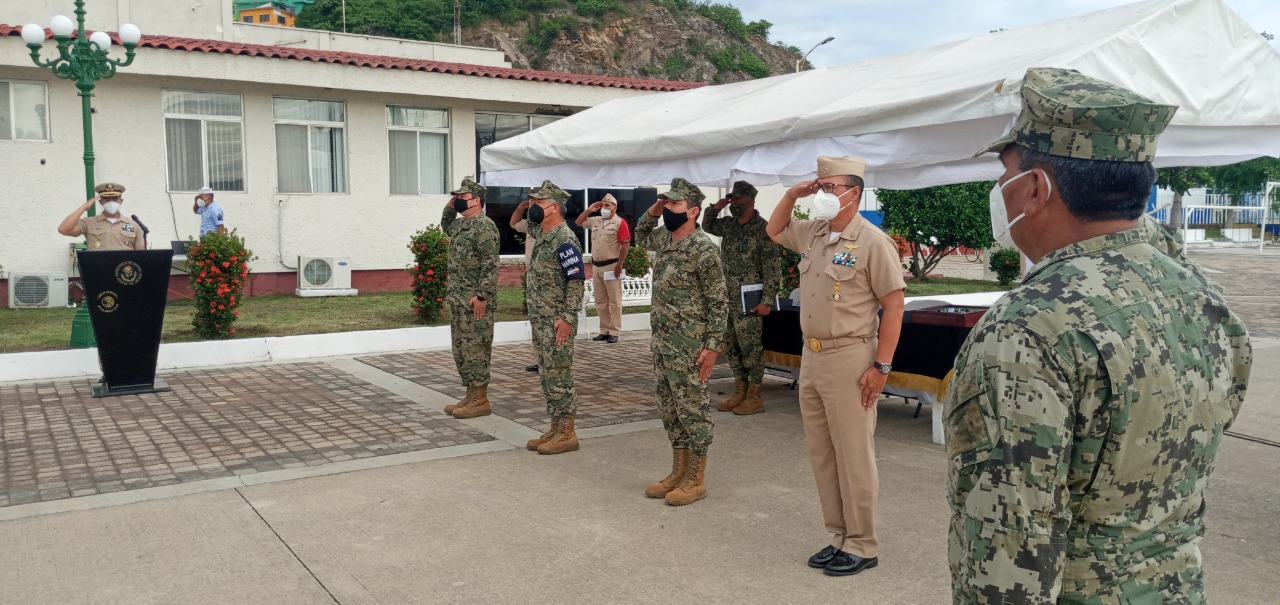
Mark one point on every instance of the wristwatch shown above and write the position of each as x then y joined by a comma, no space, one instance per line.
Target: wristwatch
480,297
884,368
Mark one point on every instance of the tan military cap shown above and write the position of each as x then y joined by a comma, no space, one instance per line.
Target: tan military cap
608,197
841,166
109,190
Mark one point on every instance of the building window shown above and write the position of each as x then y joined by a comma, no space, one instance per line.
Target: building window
419,150
24,113
310,146
247,18
264,18
500,202
204,140
280,20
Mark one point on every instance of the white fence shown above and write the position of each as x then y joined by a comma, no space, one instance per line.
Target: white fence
636,291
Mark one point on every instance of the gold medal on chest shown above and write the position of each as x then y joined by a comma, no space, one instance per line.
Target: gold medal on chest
835,294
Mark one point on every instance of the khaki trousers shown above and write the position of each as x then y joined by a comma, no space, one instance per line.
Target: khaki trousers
841,438
608,295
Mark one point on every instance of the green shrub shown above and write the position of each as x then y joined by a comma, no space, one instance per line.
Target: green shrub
637,263
726,16
589,8
740,58
430,248
544,33
674,66
759,28
753,65
791,261
219,269
1007,265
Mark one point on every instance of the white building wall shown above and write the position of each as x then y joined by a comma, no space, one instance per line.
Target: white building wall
367,224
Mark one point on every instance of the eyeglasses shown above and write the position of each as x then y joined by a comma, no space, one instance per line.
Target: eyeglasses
831,187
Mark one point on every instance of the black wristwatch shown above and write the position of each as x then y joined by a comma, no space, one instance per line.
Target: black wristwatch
481,298
884,368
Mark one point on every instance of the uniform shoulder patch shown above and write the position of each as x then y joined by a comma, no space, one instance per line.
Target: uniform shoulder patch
570,261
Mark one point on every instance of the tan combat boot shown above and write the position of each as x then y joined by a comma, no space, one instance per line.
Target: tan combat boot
753,404
734,400
479,405
693,486
679,460
564,441
461,403
547,436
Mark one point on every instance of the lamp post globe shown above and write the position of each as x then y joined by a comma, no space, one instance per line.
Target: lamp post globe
62,26
102,40
130,35
33,34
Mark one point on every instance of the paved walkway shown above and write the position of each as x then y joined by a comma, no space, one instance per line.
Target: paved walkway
242,487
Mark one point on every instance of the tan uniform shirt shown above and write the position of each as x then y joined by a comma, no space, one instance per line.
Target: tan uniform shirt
842,282
101,234
605,244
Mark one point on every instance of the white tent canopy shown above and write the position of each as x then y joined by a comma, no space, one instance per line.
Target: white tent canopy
918,117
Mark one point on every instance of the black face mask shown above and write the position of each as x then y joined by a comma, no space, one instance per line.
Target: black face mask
461,205
674,220
536,214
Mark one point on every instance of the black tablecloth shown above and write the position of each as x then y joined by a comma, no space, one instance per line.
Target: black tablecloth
925,350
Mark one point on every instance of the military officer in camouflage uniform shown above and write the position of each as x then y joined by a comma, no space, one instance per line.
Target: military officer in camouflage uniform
688,318
109,230
472,293
750,258
556,267
1089,403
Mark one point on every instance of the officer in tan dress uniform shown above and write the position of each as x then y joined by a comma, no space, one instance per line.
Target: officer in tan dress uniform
610,244
109,230
849,271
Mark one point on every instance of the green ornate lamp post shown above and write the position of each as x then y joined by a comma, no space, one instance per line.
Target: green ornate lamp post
83,60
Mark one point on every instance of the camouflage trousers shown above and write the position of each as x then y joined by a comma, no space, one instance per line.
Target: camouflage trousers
745,350
472,343
555,366
683,401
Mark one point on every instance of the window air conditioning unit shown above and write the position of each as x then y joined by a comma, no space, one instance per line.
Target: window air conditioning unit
324,276
37,290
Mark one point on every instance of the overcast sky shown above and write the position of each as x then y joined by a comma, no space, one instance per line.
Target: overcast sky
871,28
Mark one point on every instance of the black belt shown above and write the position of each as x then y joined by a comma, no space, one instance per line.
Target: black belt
603,263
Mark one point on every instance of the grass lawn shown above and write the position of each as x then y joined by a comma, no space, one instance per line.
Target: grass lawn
260,316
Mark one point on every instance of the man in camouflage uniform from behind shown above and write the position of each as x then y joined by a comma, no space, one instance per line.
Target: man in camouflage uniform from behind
750,257
471,293
688,321
1089,403
556,268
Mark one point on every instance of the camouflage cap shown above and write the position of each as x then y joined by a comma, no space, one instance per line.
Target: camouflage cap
469,185
684,191
743,189
1069,114
549,191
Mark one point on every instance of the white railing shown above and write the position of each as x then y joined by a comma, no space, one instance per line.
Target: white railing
636,291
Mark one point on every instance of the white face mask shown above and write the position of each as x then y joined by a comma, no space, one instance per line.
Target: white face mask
605,213
827,205
1000,223
200,203
111,207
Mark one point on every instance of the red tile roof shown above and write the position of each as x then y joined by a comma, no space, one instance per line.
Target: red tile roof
386,62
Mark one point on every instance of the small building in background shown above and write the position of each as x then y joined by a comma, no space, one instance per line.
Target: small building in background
269,14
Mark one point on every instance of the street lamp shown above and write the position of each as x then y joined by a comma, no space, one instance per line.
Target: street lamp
801,60
83,60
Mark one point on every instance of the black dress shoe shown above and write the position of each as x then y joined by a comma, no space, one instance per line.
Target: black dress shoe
845,564
600,337
824,556
613,340
531,367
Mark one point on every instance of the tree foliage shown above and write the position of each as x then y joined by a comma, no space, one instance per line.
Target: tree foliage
1236,180
1182,180
937,221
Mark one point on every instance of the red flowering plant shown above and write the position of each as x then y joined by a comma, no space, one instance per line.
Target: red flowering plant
430,248
219,265
1007,263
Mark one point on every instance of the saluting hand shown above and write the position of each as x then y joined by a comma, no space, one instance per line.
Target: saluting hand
562,332
803,189
872,384
706,361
